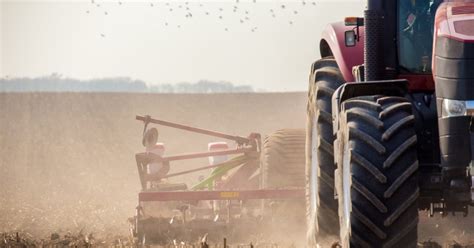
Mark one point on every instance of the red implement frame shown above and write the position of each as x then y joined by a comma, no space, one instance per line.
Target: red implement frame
151,156
221,195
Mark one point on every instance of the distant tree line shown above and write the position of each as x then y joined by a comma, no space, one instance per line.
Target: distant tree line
57,83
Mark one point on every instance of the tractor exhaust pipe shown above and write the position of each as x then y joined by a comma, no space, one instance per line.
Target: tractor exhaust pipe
373,46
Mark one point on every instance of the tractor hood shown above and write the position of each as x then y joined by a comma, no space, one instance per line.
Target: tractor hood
453,71
454,51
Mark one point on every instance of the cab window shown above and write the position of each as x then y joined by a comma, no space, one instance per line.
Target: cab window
415,32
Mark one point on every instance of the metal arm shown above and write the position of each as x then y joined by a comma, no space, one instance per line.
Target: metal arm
147,119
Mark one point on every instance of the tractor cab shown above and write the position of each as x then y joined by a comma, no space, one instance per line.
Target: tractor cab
414,32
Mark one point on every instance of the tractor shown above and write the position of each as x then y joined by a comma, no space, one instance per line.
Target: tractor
390,122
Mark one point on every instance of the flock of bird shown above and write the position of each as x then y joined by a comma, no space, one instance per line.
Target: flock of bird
189,10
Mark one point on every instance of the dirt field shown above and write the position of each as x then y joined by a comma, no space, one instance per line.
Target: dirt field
67,159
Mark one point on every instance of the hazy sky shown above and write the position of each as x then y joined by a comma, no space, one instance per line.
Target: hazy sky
145,40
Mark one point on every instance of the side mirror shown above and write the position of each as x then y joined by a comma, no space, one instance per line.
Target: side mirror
350,38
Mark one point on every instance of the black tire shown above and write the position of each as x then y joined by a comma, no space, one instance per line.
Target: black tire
283,159
321,206
377,181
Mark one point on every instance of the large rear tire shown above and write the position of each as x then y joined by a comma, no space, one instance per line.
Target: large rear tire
321,206
376,179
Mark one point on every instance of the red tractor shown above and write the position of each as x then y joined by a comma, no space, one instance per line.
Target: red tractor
390,122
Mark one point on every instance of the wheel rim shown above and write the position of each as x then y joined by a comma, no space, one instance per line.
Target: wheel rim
314,170
347,200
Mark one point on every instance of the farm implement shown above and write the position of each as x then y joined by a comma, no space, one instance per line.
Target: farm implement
241,194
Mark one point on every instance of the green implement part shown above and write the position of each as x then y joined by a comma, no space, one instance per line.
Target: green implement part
220,171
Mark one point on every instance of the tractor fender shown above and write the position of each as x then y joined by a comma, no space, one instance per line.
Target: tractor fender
397,87
333,44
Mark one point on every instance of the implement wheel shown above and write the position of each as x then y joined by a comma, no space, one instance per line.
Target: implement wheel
376,178
321,206
283,159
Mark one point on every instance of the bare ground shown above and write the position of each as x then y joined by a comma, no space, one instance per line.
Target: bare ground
67,160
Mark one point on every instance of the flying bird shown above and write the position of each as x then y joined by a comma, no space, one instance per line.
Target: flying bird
241,18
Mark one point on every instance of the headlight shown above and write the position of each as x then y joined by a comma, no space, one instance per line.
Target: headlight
453,108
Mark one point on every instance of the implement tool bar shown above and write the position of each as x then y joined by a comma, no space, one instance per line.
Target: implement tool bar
208,154
147,157
201,168
238,139
221,195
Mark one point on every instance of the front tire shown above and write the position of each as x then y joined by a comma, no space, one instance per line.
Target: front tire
376,179
321,206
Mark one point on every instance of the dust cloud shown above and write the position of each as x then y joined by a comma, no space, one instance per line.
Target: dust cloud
67,159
